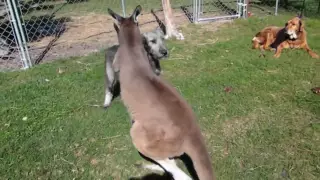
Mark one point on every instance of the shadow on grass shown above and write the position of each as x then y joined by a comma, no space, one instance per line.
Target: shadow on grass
153,176
187,161
309,101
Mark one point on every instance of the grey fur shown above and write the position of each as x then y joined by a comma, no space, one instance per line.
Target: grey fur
156,49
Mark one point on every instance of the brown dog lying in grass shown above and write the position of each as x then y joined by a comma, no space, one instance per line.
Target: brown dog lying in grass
293,35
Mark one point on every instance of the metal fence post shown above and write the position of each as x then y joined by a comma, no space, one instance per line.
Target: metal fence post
195,11
201,6
123,8
276,10
245,8
303,7
21,29
17,34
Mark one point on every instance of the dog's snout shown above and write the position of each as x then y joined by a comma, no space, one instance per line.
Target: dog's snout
164,52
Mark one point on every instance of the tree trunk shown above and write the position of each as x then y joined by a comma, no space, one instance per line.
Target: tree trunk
171,30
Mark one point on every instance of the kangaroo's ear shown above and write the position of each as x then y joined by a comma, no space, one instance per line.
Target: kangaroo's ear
116,27
136,13
115,16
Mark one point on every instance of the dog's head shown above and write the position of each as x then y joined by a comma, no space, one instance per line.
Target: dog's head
155,45
293,27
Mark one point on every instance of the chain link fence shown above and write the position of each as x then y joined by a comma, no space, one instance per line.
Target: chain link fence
281,7
262,7
34,31
211,10
311,8
12,44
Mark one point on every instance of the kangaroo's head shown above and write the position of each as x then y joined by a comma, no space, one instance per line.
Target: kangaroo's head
128,32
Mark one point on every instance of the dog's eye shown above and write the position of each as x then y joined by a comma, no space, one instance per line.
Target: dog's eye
153,41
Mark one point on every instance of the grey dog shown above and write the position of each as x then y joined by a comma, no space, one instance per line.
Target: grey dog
156,49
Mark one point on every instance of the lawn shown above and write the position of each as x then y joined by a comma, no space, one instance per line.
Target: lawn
266,127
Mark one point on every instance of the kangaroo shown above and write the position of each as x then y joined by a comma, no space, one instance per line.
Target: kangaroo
163,123
156,49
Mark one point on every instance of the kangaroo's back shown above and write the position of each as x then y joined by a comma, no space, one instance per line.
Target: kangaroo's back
164,123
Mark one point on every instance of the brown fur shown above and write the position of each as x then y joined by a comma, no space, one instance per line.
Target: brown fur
164,123
268,35
265,37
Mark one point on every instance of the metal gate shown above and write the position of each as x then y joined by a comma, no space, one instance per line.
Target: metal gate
212,10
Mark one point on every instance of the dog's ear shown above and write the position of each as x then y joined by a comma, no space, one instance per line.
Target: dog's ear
159,32
145,42
136,13
301,26
144,39
115,16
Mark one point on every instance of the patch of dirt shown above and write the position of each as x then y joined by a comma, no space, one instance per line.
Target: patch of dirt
84,35
92,33
238,126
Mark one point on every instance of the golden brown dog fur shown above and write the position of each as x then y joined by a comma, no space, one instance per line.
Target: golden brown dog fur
268,35
164,123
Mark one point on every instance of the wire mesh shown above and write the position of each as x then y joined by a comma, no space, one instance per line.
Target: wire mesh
262,7
55,29
10,53
291,6
312,8
218,7
276,7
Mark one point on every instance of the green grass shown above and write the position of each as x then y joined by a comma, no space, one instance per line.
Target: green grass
267,127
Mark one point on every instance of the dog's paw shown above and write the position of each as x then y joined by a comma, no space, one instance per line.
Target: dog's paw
180,36
316,56
138,165
105,106
107,100
276,55
316,90
158,72
262,55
